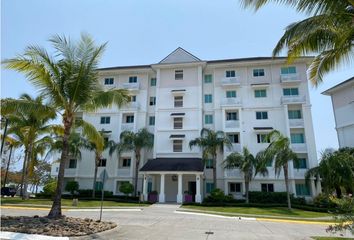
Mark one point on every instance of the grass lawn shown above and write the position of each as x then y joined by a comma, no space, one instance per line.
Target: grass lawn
276,211
68,202
331,238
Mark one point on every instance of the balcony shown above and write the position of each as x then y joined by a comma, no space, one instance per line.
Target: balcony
127,127
236,147
131,86
232,81
232,124
68,172
232,172
293,99
231,102
124,172
299,147
290,78
296,123
131,105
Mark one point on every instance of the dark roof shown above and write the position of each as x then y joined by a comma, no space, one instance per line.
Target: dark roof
173,165
179,48
327,92
178,114
177,136
178,90
124,67
263,128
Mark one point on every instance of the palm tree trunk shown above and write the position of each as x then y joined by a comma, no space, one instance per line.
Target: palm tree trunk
7,167
214,170
137,163
247,187
25,176
23,172
97,160
338,191
55,211
286,178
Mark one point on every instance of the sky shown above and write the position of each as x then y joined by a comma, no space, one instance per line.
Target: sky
144,32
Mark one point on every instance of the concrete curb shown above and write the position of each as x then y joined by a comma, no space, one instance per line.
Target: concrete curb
215,215
25,236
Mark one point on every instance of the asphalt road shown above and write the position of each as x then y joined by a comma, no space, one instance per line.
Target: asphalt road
162,222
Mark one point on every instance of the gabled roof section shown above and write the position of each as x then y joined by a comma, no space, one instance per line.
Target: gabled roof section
179,56
338,86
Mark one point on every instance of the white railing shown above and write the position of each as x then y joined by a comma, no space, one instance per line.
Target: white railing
296,123
293,99
299,147
289,78
236,147
231,81
260,80
131,86
127,127
232,172
299,173
131,105
123,172
231,102
70,172
232,124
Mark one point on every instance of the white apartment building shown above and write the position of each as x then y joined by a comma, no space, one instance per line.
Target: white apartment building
177,97
342,96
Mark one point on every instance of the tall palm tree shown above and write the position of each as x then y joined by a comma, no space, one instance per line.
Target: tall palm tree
12,145
279,150
69,81
211,143
249,165
329,31
130,141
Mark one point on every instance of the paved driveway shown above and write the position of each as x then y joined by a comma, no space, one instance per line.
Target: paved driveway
160,221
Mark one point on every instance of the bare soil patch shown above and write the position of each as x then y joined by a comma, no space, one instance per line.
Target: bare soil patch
65,226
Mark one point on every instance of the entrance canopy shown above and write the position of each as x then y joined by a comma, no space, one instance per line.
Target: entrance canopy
173,165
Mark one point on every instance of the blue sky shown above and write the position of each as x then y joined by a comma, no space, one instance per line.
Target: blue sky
144,32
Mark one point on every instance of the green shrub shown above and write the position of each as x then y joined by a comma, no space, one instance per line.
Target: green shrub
322,200
218,196
87,193
72,187
50,187
268,197
126,188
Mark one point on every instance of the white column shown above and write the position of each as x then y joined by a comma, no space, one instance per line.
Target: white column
145,188
162,188
313,188
180,193
318,187
198,196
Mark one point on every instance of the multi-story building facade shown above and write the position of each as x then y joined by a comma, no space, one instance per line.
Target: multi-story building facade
342,96
177,97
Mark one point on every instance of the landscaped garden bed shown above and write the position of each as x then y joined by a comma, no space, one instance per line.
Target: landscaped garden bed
65,226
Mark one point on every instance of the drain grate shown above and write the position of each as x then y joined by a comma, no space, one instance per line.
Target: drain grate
209,233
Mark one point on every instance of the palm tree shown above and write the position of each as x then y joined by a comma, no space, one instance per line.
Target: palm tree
279,150
12,145
249,165
69,81
211,143
130,141
329,31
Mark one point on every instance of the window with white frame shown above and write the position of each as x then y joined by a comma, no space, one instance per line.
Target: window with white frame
297,138
125,162
108,81
178,74
152,101
231,116
261,115
209,163
209,187
152,121
231,94
290,91
133,98
208,98
177,123
294,114
267,187
133,79
233,137
208,119
102,162
258,72
208,78
230,73
288,70
260,93
105,120
129,118
177,145
234,187
178,101
262,138
72,163
153,82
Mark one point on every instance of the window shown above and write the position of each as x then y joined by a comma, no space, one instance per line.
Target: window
297,138
178,123
288,70
133,98
208,98
258,72
300,163
177,145
57,169
234,187
208,78
269,163
260,93
98,186
262,138
133,79
233,138
106,139
302,189
126,162
294,114
72,163
209,163
129,119
231,116
105,120
290,91
230,94
153,82
152,121
149,187
152,101
102,162
230,74
108,81
209,187
267,187
261,115
178,101
178,74
208,119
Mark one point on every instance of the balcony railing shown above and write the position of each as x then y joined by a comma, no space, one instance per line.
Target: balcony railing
232,172
131,105
296,123
231,102
232,124
70,172
236,147
286,78
293,99
123,172
127,127
131,86
230,81
299,147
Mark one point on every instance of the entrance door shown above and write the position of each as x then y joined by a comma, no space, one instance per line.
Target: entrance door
192,188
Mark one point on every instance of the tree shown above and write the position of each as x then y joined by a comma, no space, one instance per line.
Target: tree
72,187
329,31
279,150
344,215
211,143
130,141
50,187
249,165
12,144
126,188
40,174
69,81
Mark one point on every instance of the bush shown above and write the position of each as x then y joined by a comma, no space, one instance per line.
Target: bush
49,188
218,196
323,201
268,197
87,193
72,187
126,188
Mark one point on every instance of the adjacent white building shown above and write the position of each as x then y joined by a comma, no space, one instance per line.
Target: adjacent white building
177,97
342,96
